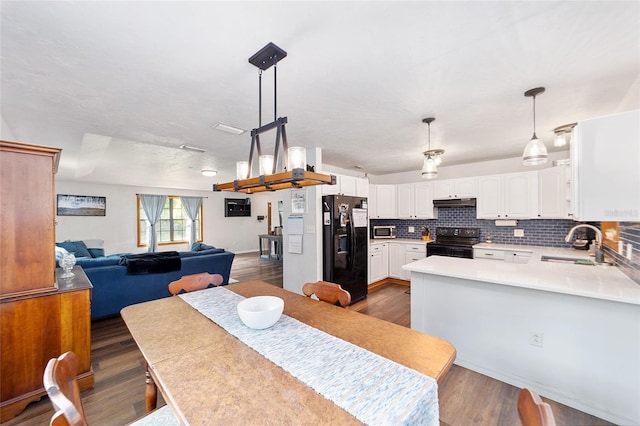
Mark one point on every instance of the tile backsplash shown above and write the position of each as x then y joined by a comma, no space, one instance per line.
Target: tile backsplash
629,233
537,232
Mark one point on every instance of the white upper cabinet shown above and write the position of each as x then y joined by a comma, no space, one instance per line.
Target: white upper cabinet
362,187
605,164
554,193
454,188
385,200
508,196
489,204
424,201
347,185
406,201
415,200
372,202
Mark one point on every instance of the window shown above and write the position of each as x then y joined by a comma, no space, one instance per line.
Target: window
174,224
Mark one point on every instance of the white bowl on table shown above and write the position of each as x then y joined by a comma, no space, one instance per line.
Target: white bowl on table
260,312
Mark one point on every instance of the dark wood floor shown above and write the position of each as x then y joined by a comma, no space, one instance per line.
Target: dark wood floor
466,397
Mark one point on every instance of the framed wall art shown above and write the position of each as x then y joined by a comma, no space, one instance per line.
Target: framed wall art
81,205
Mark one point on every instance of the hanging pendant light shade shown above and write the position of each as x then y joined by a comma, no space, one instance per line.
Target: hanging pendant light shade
535,153
432,157
562,133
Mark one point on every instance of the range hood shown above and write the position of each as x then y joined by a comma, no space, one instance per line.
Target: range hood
455,202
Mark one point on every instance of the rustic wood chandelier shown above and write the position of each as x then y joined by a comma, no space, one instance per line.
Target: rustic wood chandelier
295,174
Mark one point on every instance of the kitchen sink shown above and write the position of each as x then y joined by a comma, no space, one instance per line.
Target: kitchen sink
561,259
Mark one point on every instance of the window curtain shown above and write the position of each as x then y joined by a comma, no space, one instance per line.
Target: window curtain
191,206
152,206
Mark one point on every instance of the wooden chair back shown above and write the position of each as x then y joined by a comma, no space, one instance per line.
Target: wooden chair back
60,383
195,282
533,411
328,292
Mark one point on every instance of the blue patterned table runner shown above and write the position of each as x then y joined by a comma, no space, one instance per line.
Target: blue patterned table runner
374,389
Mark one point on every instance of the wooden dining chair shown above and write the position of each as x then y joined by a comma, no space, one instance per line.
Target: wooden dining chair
328,292
195,282
62,387
533,411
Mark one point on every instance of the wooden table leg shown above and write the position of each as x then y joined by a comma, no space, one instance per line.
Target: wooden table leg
151,390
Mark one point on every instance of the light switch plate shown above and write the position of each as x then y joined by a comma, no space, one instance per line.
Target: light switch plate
518,232
629,251
412,229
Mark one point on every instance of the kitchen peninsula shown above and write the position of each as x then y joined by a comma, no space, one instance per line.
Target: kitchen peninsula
569,331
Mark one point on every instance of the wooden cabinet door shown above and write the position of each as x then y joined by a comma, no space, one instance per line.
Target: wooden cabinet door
27,263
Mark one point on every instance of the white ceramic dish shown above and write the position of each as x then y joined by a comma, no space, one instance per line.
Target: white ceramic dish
260,312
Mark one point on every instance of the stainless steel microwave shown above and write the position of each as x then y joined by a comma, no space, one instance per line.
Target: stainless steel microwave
383,231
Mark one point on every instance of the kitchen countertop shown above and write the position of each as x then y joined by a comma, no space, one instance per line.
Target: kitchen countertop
599,282
397,240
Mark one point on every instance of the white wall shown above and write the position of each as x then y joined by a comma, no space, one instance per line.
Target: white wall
306,266
484,168
5,132
118,228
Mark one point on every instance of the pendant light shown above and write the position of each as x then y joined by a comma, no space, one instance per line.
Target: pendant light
562,133
432,157
535,153
296,174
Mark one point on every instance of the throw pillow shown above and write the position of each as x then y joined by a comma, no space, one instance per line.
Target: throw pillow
78,248
96,252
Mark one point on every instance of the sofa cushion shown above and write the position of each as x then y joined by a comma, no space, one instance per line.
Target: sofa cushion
184,254
90,262
78,248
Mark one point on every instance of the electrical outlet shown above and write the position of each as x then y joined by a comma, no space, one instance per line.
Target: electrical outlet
412,229
518,232
535,338
629,251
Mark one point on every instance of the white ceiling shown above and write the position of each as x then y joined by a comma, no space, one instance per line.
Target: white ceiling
120,85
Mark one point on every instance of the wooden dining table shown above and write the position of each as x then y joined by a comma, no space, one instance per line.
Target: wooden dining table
208,376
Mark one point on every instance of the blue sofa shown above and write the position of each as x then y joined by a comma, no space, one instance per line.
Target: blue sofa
114,288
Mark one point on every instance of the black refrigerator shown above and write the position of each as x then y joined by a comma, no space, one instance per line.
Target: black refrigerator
345,240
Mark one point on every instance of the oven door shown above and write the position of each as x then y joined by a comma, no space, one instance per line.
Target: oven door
435,249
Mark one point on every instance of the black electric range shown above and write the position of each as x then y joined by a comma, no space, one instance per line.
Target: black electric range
454,242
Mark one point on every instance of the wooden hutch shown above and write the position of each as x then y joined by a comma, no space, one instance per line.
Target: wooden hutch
41,315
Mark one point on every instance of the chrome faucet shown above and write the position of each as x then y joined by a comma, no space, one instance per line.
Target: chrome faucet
598,250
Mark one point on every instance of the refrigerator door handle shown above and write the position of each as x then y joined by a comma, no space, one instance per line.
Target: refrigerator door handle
352,247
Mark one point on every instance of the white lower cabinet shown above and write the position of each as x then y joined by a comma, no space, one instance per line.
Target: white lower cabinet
506,255
378,262
387,259
396,257
412,253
